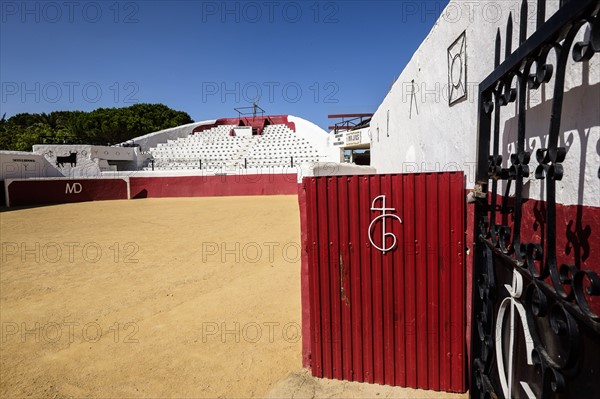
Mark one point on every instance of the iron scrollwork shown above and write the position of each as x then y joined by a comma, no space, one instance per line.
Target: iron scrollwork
536,330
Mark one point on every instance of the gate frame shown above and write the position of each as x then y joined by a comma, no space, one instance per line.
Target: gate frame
496,244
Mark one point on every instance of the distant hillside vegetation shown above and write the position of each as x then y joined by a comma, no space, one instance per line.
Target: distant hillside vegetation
101,127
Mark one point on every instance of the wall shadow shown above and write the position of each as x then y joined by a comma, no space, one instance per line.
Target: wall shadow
580,113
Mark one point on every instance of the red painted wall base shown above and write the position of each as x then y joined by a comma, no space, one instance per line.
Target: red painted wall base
213,186
62,191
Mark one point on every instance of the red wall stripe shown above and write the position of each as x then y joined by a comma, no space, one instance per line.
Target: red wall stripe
62,191
55,191
213,186
576,228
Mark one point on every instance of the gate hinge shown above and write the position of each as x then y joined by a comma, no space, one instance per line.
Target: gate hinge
477,192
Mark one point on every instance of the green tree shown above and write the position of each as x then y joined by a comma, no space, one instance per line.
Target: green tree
101,126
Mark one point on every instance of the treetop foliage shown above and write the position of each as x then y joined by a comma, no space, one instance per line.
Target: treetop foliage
103,126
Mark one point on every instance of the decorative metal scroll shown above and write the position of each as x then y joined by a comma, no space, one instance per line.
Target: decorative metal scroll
536,319
457,69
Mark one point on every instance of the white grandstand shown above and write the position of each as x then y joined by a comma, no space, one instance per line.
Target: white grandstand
210,149
242,145
280,146
218,148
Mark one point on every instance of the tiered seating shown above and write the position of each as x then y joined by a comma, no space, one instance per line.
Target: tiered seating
212,148
216,149
218,132
278,146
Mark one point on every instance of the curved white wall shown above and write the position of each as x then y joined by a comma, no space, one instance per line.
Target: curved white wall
152,139
318,137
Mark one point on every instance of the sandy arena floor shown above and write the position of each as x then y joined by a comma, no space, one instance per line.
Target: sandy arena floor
181,298
161,316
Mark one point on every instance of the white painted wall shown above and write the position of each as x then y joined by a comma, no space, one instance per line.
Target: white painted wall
86,166
426,134
113,153
152,139
91,159
334,169
318,137
23,165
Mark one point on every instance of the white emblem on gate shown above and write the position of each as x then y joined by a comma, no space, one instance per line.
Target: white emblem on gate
516,309
383,217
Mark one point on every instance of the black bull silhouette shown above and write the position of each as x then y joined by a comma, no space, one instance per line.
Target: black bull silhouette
71,159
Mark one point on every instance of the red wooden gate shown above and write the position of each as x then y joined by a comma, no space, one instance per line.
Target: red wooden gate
386,279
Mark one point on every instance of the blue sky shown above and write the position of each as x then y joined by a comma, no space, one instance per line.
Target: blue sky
307,58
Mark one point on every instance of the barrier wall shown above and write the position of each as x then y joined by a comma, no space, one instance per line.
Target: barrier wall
213,186
61,191
22,192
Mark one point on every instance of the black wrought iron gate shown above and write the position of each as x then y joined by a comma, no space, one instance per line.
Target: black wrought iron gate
536,324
